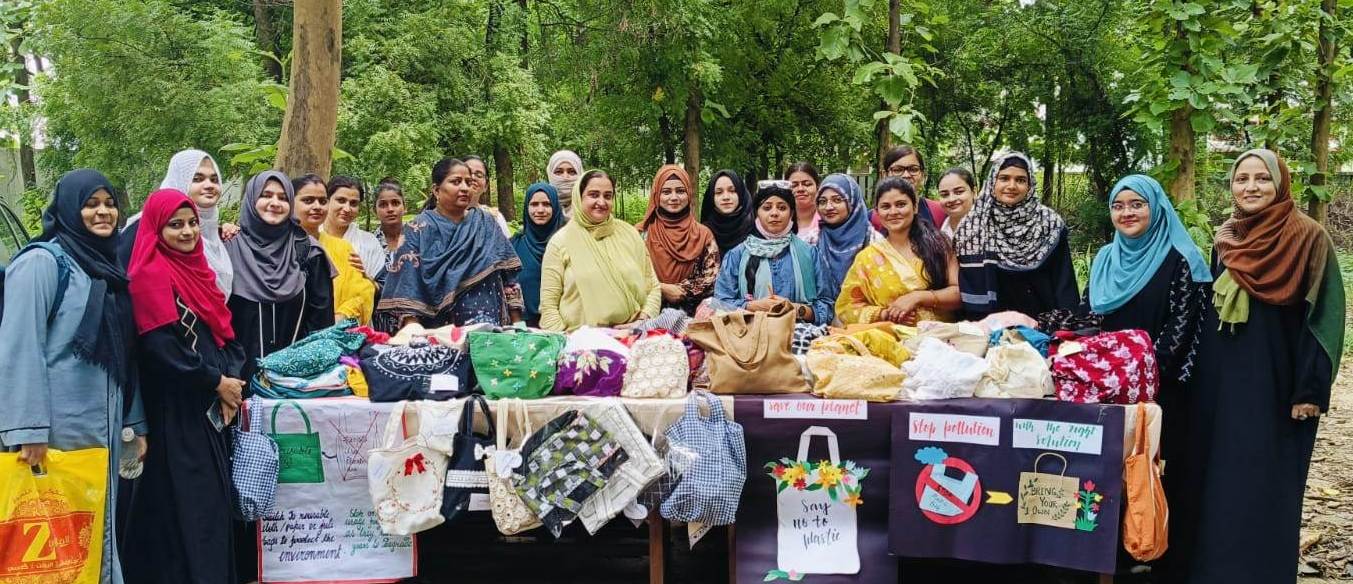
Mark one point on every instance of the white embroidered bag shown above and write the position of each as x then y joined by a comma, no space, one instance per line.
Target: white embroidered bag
658,367
405,476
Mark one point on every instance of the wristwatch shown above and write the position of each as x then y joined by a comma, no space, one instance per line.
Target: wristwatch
801,312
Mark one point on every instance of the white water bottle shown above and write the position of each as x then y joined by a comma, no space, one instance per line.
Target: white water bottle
129,465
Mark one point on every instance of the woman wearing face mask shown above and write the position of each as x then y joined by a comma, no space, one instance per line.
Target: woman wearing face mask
910,276
1012,250
773,264
275,301
727,210
803,182
1267,355
455,267
958,191
68,360
544,217
354,295
563,171
683,251
189,365
193,172
844,230
596,271
345,202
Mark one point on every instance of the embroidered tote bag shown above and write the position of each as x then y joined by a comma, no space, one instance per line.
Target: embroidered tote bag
709,490
748,352
417,371
405,476
1116,367
843,368
510,513
515,362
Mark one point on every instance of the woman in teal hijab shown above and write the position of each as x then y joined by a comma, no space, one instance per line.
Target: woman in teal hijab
544,216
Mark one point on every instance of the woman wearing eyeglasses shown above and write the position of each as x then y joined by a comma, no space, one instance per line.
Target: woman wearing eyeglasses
906,162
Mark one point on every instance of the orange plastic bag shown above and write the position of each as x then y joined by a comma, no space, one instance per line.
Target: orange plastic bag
51,523
1147,519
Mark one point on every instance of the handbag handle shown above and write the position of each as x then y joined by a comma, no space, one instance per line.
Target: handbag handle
716,415
756,330
398,424
304,416
1040,457
501,437
1142,445
833,450
467,415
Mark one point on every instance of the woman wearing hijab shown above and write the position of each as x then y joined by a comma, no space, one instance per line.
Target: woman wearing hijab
727,210
1012,250
910,276
1268,353
684,253
544,216
193,172
189,366
563,171
843,230
275,301
596,271
455,266
774,264
68,371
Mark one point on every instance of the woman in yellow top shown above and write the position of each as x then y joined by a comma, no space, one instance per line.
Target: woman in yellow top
354,293
910,276
596,270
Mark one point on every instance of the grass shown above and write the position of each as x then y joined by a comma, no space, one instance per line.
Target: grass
1346,270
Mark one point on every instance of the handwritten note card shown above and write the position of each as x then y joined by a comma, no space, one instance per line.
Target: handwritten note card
816,409
1053,435
982,430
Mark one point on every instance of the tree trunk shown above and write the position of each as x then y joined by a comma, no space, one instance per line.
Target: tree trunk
692,154
1050,146
311,123
1324,110
265,33
668,143
24,133
885,136
1183,146
502,166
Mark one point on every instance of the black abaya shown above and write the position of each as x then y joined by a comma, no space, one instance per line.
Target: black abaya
263,328
180,530
1047,287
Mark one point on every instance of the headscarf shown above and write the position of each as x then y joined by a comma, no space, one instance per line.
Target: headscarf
729,230
609,252
161,274
267,258
1123,267
182,166
994,236
675,242
838,244
530,244
564,186
762,246
440,259
105,330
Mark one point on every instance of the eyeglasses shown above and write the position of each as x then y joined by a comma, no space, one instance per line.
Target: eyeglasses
912,170
1134,205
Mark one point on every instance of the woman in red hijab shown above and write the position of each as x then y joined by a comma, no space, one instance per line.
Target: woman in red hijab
180,527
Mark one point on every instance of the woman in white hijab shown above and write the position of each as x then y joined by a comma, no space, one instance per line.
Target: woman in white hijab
194,172
563,171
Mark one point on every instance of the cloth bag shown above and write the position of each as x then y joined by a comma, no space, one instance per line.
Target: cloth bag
53,520
253,466
940,371
641,467
968,337
843,368
710,489
1015,370
515,362
298,454
405,477
510,513
592,363
1146,523
1115,367
675,461
748,352
564,465
417,371
659,367
820,507
466,475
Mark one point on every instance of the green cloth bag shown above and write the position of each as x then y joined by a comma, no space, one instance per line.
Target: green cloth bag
515,363
298,455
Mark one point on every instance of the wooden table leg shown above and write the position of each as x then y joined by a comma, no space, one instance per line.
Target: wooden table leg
657,558
1106,579
732,556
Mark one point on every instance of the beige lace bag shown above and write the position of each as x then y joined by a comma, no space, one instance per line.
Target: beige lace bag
509,512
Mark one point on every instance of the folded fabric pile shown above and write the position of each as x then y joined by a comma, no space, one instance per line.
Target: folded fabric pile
312,367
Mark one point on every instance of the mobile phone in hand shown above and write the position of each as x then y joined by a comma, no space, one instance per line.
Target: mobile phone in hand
214,415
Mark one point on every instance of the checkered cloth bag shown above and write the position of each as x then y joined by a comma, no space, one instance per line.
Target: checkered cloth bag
253,466
709,490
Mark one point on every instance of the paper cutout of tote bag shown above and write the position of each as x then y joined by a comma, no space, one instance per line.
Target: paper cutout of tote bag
1048,499
298,455
816,511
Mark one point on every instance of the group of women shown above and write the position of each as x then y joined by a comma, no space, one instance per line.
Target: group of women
116,337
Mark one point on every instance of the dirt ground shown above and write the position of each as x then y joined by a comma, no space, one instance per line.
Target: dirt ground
1327,521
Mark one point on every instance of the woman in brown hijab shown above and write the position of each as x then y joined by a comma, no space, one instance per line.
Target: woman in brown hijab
1267,355
684,252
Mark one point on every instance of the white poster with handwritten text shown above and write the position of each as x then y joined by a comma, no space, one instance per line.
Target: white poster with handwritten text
329,529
